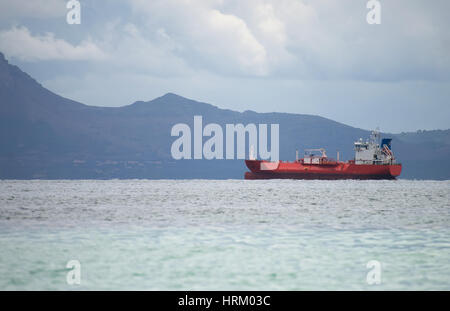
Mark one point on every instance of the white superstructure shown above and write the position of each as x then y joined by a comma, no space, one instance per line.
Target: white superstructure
372,151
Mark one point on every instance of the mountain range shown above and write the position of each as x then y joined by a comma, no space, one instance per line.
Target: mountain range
46,136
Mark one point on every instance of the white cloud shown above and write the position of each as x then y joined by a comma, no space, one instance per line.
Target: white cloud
228,36
305,39
207,37
20,43
293,39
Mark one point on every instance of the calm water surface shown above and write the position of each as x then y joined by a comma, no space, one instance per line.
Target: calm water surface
225,235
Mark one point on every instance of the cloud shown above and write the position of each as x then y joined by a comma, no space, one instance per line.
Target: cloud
142,52
35,8
207,38
20,43
296,39
284,39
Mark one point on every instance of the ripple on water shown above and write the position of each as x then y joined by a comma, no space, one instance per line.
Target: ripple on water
232,234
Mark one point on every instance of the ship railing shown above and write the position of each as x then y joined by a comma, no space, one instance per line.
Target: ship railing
378,162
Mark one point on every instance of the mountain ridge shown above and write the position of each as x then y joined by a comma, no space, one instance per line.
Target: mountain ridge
45,135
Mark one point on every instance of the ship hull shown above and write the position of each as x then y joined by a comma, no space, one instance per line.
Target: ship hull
332,171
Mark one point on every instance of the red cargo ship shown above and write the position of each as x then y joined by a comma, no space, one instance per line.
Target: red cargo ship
373,160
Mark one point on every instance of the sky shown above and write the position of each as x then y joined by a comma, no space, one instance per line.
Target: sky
317,57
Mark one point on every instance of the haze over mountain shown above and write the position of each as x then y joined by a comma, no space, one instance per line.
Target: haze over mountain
44,135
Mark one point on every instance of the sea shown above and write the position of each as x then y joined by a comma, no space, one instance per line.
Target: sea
224,235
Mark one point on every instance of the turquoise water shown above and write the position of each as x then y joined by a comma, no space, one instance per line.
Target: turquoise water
225,235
